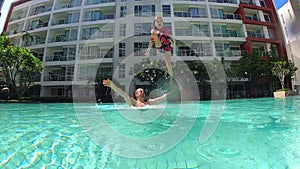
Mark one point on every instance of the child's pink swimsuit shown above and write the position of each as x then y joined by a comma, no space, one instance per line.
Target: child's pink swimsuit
165,39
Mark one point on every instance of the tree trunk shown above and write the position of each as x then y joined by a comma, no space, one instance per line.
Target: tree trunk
282,82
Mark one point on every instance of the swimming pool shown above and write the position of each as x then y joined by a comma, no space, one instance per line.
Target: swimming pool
252,133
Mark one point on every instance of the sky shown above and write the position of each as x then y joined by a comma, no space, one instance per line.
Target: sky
7,3
279,3
4,11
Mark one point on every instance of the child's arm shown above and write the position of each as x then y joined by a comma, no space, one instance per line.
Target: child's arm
147,53
129,101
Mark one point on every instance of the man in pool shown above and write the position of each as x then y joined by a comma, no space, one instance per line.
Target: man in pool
139,94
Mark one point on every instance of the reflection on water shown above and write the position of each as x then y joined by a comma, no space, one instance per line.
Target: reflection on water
254,133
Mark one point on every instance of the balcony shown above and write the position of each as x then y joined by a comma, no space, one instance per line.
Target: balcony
36,24
98,35
227,16
231,53
13,32
60,58
191,32
97,55
195,50
35,40
62,38
17,17
65,5
253,18
100,17
39,10
229,33
19,14
190,15
255,35
94,2
224,1
250,2
58,77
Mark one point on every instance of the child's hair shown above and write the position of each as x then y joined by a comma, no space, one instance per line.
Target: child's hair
155,20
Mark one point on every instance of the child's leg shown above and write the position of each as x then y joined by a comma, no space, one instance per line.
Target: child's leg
169,67
168,63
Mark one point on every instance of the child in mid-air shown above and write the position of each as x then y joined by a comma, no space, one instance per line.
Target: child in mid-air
161,38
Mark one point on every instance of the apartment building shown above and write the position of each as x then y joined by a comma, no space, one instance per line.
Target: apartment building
78,40
289,15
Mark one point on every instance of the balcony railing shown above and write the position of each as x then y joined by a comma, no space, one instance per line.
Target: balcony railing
67,5
99,35
94,2
62,39
40,10
36,78
255,35
59,58
224,1
195,53
189,15
247,2
17,17
40,25
64,21
231,53
100,17
35,42
12,32
229,34
227,16
97,55
253,18
58,77
189,32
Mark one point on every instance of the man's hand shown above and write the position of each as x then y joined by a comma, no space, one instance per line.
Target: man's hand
107,83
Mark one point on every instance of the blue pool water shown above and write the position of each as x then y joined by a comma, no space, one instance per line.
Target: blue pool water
251,133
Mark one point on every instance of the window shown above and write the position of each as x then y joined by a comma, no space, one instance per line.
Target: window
290,14
198,12
122,49
222,48
262,3
144,10
87,72
71,34
140,48
267,17
87,33
201,29
217,13
141,29
282,19
166,10
201,49
122,70
271,33
169,26
122,29
123,10
73,18
219,30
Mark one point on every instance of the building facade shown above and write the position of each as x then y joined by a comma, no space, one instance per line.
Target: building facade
289,15
78,40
